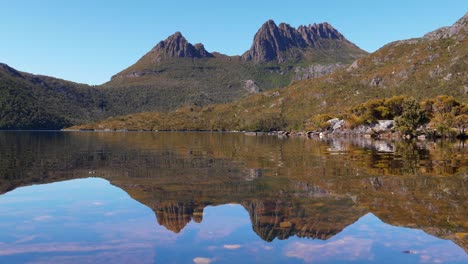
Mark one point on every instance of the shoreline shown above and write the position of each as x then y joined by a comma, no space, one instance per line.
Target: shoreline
344,133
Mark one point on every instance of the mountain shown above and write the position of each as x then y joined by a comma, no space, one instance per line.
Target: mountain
176,73
39,102
319,42
175,46
435,64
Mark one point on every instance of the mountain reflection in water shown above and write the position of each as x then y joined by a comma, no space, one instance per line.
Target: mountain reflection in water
290,188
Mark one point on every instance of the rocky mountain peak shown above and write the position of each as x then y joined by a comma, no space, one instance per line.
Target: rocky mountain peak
176,46
269,23
271,42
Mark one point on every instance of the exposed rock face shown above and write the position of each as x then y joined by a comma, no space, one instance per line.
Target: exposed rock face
315,71
272,42
251,86
461,26
176,46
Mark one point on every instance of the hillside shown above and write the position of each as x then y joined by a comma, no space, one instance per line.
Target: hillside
39,102
426,67
176,73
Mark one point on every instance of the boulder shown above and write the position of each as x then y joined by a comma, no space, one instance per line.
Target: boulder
251,86
336,123
384,125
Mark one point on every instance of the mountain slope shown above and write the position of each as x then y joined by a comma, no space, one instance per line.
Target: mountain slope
423,68
176,73
38,102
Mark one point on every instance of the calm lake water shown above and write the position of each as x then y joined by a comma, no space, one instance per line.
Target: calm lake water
70,197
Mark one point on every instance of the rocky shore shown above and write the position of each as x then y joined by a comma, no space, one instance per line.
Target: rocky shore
382,129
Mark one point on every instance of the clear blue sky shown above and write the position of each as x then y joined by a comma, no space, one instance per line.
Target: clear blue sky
90,40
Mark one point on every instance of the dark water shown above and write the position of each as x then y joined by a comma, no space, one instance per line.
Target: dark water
229,198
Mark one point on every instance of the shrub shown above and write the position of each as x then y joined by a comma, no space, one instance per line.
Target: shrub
318,122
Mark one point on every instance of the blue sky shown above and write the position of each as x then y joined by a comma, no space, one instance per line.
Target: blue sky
89,41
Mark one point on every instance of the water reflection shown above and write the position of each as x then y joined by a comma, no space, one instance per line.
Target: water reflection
284,190
88,220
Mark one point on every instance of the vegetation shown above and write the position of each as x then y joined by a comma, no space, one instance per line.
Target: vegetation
318,123
446,113
408,113
411,118
180,82
38,102
376,109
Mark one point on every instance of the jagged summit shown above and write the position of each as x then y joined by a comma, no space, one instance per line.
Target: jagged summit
173,47
176,46
274,43
175,72
312,33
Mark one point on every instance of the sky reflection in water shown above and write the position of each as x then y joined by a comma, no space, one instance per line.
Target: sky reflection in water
89,220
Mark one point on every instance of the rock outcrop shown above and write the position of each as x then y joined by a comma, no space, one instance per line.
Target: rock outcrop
251,86
459,29
315,71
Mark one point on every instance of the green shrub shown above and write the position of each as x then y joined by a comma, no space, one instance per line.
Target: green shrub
411,118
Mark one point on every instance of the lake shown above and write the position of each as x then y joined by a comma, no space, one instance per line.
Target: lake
170,197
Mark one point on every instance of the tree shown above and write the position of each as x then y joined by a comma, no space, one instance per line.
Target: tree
443,122
411,117
461,122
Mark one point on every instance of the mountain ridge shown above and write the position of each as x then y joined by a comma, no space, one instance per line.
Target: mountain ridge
177,73
423,68
272,42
